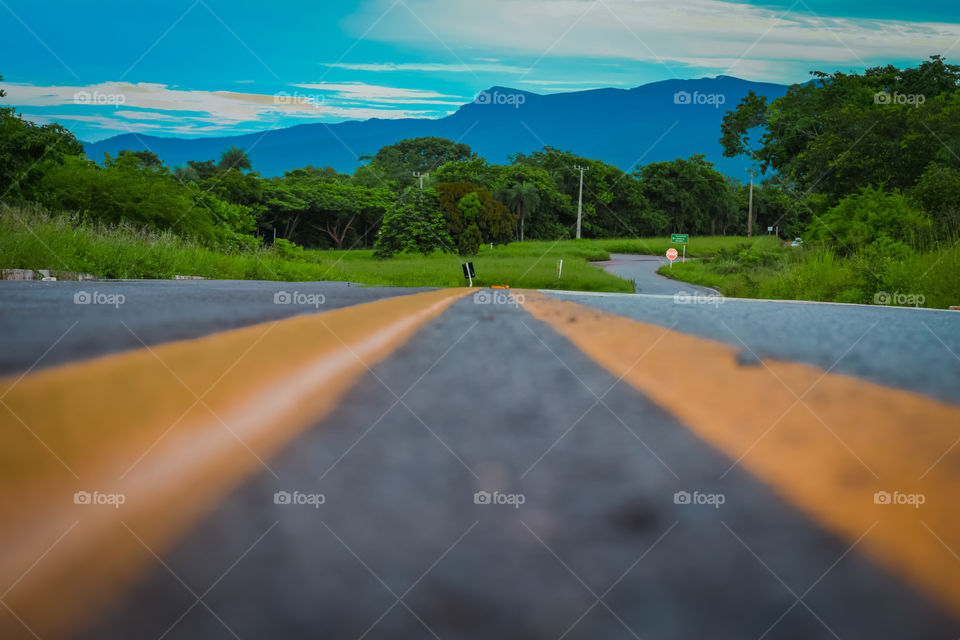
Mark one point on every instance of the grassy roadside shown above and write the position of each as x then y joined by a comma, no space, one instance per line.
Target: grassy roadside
927,279
34,240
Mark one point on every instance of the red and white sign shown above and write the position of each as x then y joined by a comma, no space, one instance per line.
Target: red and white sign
671,254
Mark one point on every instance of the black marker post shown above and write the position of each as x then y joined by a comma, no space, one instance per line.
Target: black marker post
468,272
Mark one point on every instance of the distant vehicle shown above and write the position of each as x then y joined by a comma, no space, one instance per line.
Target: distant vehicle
796,242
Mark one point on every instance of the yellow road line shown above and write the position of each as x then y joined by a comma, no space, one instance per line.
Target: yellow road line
171,429
821,452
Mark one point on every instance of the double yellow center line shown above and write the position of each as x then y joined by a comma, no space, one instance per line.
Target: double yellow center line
872,464
167,431
175,427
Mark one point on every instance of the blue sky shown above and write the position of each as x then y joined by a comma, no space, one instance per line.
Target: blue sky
217,67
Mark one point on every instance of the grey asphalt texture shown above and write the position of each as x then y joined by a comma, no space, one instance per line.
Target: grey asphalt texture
493,400
913,349
642,270
41,325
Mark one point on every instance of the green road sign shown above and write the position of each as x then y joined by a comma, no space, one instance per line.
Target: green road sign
679,237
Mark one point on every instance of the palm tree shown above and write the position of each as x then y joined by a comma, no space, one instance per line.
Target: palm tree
234,158
523,198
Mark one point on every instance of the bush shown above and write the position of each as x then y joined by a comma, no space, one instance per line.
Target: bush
412,225
287,250
861,219
470,240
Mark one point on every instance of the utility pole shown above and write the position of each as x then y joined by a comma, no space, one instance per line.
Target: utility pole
580,199
417,174
750,209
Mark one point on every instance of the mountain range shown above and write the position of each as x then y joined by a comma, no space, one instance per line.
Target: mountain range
624,127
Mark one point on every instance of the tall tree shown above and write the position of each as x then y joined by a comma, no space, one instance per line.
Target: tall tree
523,198
234,158
842,131
401,160
695,197
413,224
495,222
27,150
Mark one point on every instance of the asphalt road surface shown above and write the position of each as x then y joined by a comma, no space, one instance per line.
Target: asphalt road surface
582,535
642,270
85,319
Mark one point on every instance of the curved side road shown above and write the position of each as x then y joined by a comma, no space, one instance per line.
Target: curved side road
643,271
170,429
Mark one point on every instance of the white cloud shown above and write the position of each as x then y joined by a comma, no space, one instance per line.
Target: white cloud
359,91
146,106
724,37
570,83
428,67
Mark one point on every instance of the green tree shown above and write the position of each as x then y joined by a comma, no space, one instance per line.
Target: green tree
235,186
613,204
399,161
310,209
28,151
523,198
186,174
374,176
691,194
555,214
469,242
146,158
843,131
937,192
413,224
204,169
872,214
234,158
494,220
474,170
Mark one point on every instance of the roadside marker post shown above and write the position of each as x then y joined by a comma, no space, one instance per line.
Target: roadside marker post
671,256
680,238
559,268
468,272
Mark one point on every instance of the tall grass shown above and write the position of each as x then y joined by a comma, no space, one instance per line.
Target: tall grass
818,274
32,239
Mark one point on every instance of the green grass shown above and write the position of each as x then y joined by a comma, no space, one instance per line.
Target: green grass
821,275
32,239
698,247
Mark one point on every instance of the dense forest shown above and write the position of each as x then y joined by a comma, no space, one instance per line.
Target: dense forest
864,161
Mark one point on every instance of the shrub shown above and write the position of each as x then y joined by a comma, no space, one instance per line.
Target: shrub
470,240
860,219
412,225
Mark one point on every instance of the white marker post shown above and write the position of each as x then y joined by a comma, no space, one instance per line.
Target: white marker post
559,268
671,256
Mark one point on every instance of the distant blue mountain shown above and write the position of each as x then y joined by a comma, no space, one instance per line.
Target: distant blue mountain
624,127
